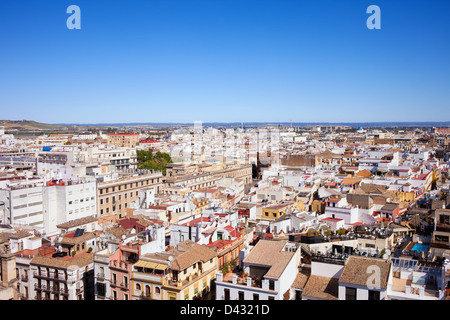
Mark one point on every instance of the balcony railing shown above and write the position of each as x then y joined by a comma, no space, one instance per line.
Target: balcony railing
123,285
51,276
443,227
100,276
440,244
120,265
147,277
54,289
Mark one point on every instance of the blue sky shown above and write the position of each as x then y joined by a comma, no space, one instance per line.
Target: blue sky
224,60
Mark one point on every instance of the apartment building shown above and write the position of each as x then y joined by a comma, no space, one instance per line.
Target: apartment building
114,197
269,270
183,273
62,278
127,140
121,158
113,265
66,201
26,247
53,161
416,280
274,212
44,205
8,276
23,205
440,242
194,176
52,140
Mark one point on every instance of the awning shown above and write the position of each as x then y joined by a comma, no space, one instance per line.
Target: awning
146,264
161,267
151,265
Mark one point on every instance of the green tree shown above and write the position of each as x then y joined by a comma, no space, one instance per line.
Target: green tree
156,162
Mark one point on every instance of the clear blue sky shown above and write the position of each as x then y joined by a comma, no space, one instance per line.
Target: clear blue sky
224,60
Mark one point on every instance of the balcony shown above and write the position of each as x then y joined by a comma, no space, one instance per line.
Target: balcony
121,265
405,288
250,282
444,227
53,289
100,276
50,276
148,277
440,244
64,291
123,285
40,287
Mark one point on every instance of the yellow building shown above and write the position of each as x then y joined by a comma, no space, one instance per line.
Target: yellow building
179,274
124,140
276,211
114,197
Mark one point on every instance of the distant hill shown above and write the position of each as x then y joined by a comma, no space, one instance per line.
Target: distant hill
25,125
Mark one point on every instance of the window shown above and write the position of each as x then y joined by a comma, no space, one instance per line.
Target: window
226,294
255,296
271,285
374,295
444,219
350,293
241,295
101,289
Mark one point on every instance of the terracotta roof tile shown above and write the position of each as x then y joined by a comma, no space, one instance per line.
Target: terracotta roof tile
321,288
357,270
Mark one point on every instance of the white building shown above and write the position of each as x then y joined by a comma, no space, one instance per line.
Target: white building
271,266
43,206
65,201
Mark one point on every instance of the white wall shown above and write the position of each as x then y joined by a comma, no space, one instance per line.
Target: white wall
362,293
327,270
68,202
